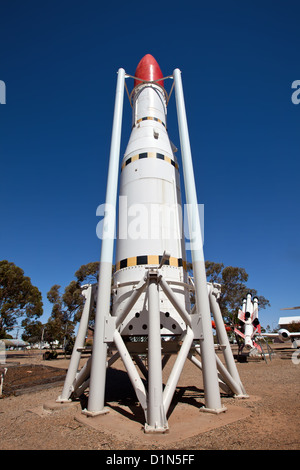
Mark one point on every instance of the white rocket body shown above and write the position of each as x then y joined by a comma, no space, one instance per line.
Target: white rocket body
150,220
247,315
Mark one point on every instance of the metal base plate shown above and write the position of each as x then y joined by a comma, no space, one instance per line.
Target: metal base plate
155,429
215,411
95,413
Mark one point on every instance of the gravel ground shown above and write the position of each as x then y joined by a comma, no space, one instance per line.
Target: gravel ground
272,423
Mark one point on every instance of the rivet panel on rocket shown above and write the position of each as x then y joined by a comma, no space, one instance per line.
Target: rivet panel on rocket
150,220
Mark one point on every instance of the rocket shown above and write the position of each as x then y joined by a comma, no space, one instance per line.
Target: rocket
150,222
249,322
143,309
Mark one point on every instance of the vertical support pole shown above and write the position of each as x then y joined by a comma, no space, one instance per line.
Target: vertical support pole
98,368
210,377
156,417
79,343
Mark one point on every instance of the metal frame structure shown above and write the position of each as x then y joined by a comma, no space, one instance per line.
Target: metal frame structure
196,337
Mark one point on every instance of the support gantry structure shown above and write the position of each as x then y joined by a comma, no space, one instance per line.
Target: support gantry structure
148,297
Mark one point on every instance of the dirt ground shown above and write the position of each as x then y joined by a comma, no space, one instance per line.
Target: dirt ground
267,420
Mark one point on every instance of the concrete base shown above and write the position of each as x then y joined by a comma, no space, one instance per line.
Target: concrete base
185,421
58,405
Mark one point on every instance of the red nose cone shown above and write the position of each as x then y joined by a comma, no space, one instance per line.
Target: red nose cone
148,70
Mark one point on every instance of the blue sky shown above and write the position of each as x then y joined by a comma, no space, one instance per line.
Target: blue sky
238,60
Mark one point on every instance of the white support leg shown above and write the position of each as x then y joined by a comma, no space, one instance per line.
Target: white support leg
177,368
82,379
210,377
135,379
79,343
98,369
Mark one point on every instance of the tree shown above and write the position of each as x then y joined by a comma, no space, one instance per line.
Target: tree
233,288
67,307
88,273
60,326
33,331
18,297
73,298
